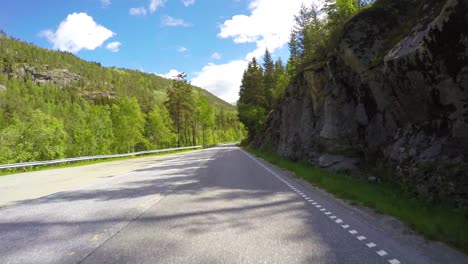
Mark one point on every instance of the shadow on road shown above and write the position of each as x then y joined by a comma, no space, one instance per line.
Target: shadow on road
219,190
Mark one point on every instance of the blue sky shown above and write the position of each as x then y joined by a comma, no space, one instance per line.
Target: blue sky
210,40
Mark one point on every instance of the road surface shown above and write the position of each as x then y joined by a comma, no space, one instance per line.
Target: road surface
219,205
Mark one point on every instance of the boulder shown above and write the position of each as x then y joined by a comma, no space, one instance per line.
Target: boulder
337,163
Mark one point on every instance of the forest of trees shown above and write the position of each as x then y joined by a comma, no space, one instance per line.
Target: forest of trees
103,111
313,39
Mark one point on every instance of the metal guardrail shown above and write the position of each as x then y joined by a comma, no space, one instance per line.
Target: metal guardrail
48,162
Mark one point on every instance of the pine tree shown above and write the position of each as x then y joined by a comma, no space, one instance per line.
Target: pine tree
303,19
315,36
281,80
181,106
269,78
252,90
340,11
207,117
294,57
252,102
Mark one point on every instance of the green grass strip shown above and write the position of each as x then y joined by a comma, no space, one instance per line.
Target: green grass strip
435,222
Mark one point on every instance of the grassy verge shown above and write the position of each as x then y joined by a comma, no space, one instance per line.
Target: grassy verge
435,222
82,163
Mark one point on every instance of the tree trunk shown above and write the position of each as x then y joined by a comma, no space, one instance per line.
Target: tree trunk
203,134
194,133
186,132
178,129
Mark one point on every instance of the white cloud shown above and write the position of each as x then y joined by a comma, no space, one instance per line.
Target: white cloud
223,80
105,3
188,2
155,4
182,49
114,46
216,56
174,22
137,11
269,24
78,31
170,74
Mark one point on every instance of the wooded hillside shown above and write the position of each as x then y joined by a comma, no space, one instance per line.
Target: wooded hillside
54,104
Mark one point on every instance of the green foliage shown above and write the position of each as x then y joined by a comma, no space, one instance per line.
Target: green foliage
340,11
260,91
100,125
281,82
207,117
252,90
87,109
294,55
37,137
317,31
128,123
181,106
158,129
252,116
252,98
269,80
313,38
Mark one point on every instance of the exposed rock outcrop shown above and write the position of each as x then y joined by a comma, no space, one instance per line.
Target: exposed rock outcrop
44,74
41,74
394,95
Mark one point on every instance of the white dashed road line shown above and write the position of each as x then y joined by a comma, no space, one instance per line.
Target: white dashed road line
371,245
380,252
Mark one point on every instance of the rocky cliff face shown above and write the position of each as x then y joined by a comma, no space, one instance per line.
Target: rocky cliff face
395,96
44,74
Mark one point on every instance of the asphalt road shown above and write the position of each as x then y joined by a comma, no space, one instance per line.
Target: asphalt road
219,205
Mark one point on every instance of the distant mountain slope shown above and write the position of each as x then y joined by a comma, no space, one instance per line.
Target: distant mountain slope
54,104
22,60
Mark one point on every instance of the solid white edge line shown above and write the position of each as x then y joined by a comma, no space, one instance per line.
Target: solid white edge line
380,252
